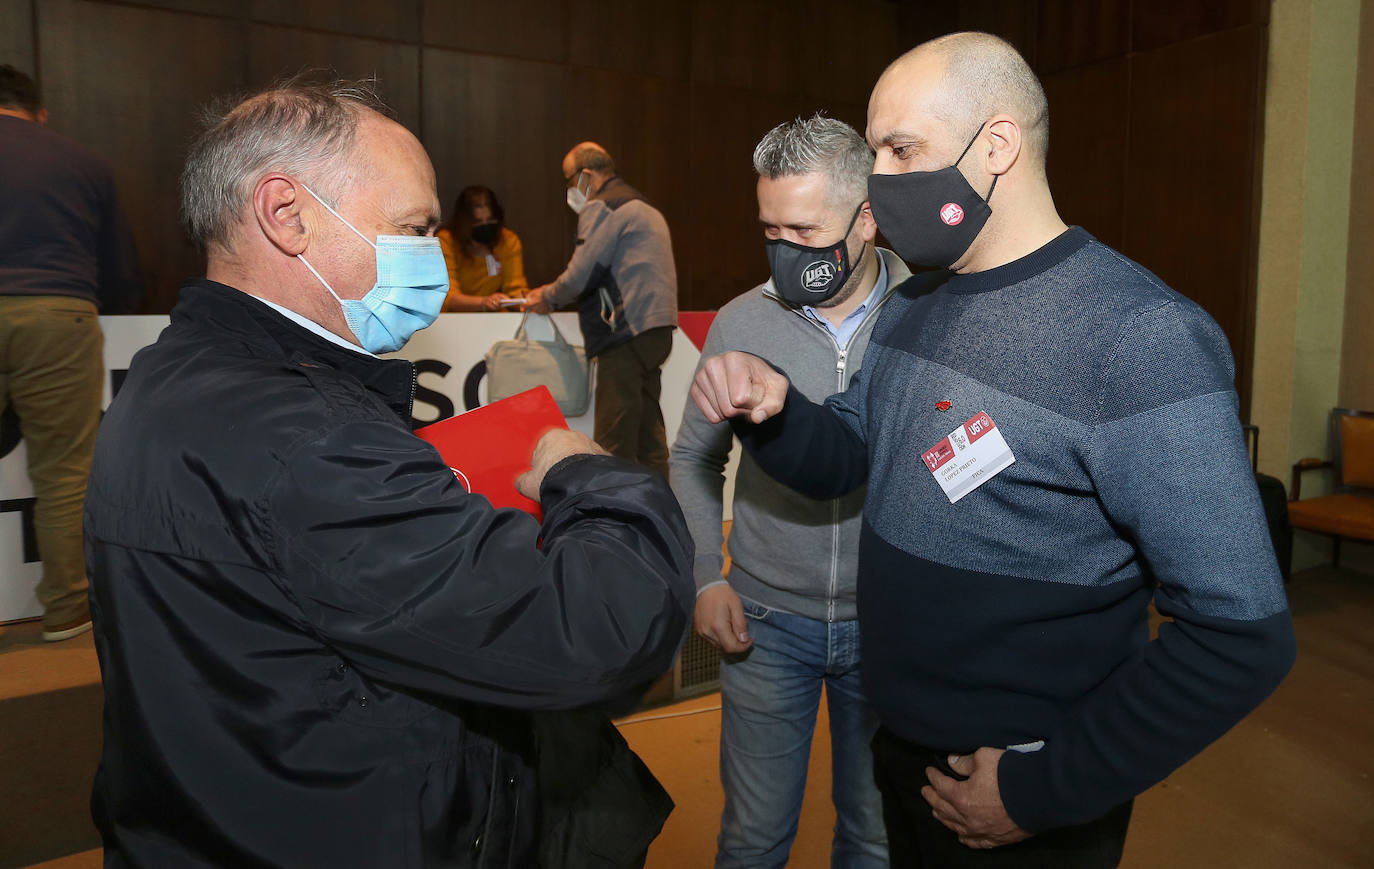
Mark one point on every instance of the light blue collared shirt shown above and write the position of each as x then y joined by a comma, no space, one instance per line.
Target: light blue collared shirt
845,331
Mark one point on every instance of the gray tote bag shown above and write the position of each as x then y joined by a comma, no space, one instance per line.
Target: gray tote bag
522,363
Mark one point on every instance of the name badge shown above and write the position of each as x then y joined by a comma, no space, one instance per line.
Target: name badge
493,266
968,457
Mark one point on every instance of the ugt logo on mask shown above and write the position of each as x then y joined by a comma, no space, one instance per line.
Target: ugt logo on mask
952,214
818,276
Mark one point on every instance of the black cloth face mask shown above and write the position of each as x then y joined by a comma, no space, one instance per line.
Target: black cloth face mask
810,275
487,234
930,218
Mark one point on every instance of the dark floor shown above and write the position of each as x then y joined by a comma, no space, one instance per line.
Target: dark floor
1291,786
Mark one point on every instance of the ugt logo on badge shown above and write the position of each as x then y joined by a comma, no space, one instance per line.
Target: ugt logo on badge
818,276
952,214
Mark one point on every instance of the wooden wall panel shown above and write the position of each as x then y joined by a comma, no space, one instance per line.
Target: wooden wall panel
812,47
1196,107
1071,33
276,52
126,82
632,36
860,39
1089,129
918,23
395,21
16,35
1157,23
222,8
534,29
841,49
1013,20
500,122
727,50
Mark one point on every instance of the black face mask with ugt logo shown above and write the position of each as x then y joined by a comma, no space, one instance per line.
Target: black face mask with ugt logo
809,275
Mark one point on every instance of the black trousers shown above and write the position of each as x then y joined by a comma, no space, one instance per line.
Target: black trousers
916,840
628,421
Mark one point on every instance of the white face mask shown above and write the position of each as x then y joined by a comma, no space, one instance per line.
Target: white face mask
577,199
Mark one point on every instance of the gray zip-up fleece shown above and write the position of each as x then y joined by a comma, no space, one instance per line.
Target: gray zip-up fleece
621,273
788,552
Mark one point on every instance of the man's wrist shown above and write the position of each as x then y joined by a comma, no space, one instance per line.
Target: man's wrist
720,581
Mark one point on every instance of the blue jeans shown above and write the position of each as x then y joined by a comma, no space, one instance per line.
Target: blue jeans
769,698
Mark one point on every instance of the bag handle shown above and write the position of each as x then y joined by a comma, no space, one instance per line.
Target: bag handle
557,334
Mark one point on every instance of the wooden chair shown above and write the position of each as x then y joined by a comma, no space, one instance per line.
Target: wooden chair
1348,512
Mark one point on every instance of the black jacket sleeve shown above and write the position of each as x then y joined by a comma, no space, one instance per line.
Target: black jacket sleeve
812,448
424,586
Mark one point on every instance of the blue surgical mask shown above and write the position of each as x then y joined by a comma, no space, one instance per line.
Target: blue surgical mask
412,281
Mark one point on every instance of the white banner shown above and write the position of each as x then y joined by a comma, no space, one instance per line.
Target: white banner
448,356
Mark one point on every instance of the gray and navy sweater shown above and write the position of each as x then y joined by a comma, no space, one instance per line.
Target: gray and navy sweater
1019,613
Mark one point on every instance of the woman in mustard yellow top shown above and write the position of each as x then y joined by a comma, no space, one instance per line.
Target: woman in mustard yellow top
486,264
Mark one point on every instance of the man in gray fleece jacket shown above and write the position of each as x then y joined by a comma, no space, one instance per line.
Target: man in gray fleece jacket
785,618
623,280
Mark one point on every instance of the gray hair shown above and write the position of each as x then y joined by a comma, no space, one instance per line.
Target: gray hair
818,144
296,127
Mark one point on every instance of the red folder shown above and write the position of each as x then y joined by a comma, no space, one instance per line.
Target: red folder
490,446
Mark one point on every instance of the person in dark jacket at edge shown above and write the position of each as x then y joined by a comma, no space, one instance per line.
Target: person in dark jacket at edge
66,253
318,649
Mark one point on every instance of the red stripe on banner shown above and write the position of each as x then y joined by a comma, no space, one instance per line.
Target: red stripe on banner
695,325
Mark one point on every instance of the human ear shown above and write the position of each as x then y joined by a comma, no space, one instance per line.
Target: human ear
868,227
276,207
1004,139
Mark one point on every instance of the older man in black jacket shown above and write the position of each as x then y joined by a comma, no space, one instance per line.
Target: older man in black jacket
317,647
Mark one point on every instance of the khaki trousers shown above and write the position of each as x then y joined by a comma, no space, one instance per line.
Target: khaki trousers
52,371
628,420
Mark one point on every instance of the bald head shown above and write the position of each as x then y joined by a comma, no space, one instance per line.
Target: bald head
964,79
588,155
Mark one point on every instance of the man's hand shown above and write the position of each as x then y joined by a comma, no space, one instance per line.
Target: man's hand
973,808
735,384
555,446
719,618
534,300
